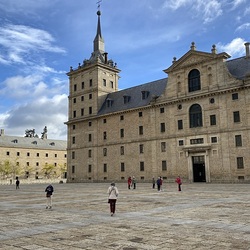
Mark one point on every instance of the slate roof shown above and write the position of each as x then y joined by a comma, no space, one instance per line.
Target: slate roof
115,102
239,67
32,142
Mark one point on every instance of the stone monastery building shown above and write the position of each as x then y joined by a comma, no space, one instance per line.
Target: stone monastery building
194,123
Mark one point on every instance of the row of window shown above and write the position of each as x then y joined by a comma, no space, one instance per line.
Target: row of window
37,154
239,165
104,83
37,164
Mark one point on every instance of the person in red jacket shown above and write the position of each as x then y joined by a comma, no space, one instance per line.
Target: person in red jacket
129,182
179,182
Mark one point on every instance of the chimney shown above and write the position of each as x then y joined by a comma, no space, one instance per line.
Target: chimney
106,57
247,50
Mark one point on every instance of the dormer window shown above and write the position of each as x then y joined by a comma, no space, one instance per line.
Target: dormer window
109,102
144,94
194,82
126,99
34,142
52,144
15,141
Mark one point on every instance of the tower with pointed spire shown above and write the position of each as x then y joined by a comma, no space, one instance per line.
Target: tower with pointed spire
89,85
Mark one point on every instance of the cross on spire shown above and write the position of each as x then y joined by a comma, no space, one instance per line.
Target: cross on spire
99,4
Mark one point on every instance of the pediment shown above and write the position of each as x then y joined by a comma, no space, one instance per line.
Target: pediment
192,58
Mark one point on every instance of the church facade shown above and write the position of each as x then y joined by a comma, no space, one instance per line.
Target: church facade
194,123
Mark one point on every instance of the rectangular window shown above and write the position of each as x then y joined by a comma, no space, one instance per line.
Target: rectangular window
18,153
90,137
214,139
212,120
105,167
181,142
55,155
104,82
37,164
122,150
90,110
236,115
90,153
104,120
82,112
90,96
105,152
121,118
73,155
104,135
7,153
73,140
180,124
141,166
90,124
164,165
82,98
73,169
141,148
74,113
112,84
140,114
121,132
238,141
163,128
82,85
162,110
140,130
89,168
75,87
122,167
163,147
27,164
90,82
240,163
73,126
197,141
74,100
37,154
235,96
47,155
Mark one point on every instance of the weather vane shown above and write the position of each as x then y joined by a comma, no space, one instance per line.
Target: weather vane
99,4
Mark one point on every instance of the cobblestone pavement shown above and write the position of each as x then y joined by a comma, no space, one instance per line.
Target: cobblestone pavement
202,216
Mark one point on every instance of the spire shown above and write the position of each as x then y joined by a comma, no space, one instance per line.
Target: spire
99,42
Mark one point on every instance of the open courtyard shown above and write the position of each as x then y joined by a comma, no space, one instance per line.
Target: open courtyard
202,216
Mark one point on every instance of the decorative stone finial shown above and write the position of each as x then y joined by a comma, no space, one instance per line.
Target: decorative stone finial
193,47
214,50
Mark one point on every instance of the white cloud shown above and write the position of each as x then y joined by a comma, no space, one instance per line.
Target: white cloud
50,112
235,48
207,10
243,27
237,3
19,42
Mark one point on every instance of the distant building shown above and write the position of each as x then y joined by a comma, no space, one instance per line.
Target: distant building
195,123
32,157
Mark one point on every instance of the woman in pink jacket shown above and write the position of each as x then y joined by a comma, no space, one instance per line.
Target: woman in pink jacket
112,197
179,182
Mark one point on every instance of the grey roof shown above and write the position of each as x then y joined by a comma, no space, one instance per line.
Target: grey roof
31,142
115,102
239,67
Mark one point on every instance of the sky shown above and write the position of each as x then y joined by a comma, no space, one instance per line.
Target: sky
40,40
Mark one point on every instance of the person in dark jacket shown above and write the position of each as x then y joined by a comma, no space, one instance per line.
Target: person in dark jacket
49,191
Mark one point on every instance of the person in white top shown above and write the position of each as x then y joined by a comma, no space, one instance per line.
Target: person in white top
112,197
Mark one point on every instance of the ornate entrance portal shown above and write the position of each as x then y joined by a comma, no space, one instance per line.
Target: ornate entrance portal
199,171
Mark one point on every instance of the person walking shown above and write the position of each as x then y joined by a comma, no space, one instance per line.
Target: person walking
17,182
153,183
158,182
112,197
134,182
129,182
161,183
49,191
179,182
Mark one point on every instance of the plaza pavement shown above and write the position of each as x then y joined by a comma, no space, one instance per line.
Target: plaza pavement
202,216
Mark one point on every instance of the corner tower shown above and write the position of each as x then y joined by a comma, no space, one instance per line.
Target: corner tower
92,80
89,84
